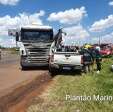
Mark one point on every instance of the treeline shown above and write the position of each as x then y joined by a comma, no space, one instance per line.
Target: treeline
12,49
1,47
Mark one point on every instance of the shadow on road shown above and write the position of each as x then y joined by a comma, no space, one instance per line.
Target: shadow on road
68,73
73,73
34,68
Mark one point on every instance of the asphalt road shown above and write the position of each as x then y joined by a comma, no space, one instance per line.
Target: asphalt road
18,87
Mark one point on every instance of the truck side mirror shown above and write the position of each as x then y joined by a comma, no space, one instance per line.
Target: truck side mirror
53,50
17,36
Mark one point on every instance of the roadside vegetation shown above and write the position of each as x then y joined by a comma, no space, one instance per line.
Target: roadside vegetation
13,50
54,99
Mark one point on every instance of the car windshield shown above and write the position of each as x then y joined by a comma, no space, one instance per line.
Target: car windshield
36,35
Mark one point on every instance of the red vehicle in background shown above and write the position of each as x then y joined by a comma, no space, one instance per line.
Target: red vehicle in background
106,50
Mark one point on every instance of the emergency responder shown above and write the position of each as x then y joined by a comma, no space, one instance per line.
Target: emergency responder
87,58
98,59
93,55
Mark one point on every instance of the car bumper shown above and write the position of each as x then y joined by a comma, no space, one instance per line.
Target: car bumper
61,66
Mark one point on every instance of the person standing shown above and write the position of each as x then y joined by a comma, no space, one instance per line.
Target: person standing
93,55
98,58
87,59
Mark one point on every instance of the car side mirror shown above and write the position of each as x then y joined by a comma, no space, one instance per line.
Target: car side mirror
53,50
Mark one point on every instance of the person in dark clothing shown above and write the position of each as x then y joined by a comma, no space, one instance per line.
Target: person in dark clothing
87,59
98,60
93,55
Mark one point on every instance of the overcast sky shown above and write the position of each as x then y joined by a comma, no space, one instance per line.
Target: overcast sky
85,20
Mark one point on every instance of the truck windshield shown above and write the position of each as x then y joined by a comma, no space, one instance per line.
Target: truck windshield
36,35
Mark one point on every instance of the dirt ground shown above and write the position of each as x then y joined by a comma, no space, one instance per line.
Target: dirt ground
18,87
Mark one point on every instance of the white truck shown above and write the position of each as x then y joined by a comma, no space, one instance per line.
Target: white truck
34,42
61,58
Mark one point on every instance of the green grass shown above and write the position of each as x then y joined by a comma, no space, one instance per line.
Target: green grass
14,50
77,85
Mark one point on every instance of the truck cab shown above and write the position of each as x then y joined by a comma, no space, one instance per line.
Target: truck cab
34,43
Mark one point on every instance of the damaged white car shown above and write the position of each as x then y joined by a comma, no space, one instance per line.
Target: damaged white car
64,57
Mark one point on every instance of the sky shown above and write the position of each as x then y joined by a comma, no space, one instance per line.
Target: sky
84,20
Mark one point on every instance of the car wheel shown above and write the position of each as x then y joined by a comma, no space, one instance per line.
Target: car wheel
53,71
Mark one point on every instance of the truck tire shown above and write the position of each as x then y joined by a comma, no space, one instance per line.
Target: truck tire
23,68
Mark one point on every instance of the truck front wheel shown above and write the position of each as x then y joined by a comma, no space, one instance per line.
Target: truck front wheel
22,63
23,67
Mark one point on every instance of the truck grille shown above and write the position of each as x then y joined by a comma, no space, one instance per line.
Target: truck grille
38,55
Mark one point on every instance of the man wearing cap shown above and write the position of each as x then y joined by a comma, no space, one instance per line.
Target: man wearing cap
87,58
